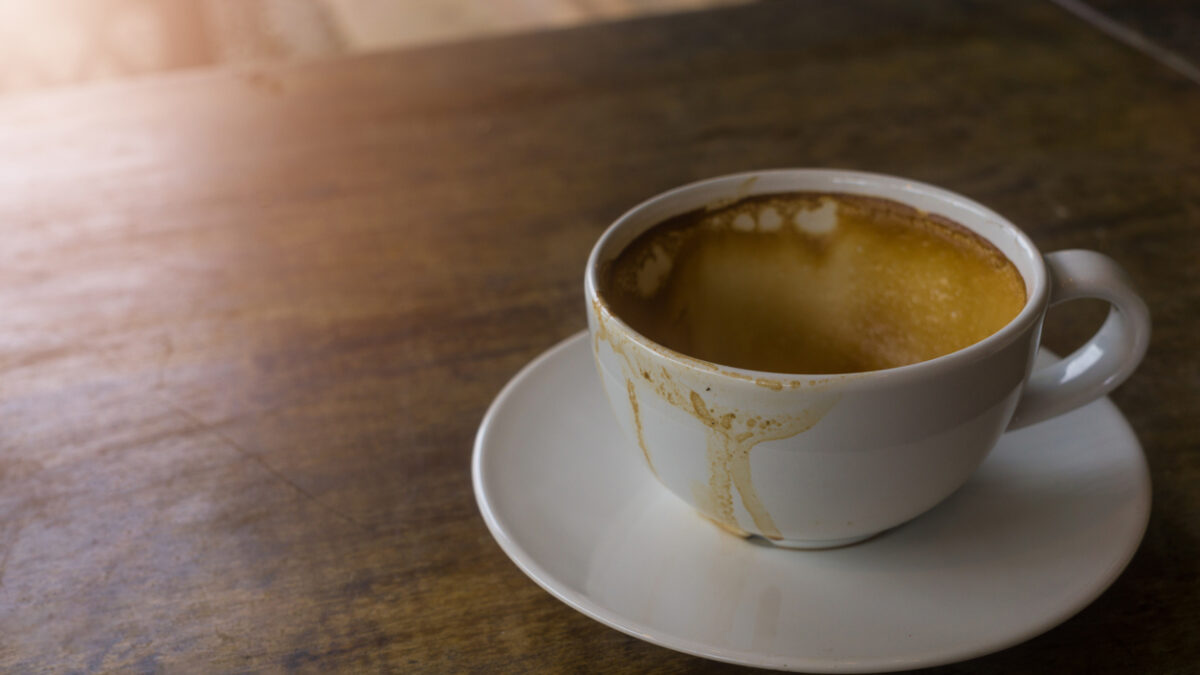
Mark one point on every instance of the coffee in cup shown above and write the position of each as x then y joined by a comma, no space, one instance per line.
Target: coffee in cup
813,283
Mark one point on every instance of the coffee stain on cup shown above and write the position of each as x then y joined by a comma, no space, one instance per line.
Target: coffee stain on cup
731,434
728,452
775,385
637,425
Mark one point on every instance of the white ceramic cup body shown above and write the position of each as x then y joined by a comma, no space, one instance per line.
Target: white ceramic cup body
825,460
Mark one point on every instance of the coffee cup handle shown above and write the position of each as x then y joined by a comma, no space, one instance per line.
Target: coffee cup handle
1105,360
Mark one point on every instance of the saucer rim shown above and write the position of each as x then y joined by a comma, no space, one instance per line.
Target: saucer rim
580,602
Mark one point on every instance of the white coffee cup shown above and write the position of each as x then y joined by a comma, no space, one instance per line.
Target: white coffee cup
835,459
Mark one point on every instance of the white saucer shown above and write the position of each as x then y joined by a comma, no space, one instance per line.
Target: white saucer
1045,525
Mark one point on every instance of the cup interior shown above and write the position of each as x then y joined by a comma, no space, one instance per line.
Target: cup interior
994,228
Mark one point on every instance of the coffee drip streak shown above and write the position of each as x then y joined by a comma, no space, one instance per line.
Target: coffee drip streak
731,435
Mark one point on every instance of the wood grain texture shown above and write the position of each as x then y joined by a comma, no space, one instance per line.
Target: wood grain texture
252,319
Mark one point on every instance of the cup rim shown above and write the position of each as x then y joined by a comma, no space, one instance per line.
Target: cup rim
1035,300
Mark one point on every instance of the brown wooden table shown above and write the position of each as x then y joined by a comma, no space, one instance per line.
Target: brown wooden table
251,320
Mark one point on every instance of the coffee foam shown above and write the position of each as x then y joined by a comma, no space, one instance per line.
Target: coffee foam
813,283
